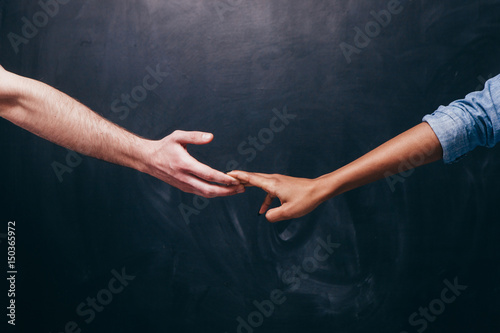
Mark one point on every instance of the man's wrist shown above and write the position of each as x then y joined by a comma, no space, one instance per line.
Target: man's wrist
143,156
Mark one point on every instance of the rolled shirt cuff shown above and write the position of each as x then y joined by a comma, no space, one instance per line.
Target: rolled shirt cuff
451,133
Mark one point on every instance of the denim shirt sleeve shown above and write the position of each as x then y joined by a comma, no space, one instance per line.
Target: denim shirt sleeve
468,123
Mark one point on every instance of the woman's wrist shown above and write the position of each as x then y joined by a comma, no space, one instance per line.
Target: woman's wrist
328,186
9,86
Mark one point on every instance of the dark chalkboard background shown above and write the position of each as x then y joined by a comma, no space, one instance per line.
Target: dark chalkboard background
227,65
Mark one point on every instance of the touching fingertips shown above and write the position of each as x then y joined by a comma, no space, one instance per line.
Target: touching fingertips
235,182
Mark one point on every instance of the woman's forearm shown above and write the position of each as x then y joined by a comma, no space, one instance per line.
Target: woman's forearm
450,131
415,147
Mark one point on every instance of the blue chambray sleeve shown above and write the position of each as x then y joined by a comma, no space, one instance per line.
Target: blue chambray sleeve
468,123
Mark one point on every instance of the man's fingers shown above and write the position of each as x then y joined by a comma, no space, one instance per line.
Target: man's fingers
196,168
193,137
255,179
207,190
240,175
205,172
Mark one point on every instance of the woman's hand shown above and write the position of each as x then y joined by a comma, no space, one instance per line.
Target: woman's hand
298,196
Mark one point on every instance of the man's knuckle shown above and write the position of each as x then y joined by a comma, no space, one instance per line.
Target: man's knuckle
209,176
193,136
181,165
211,193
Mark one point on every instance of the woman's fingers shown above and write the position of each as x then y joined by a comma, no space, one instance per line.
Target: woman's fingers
278,214
267,202
270,184
253,179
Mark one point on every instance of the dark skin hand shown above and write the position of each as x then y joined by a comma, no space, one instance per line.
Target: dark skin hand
299,196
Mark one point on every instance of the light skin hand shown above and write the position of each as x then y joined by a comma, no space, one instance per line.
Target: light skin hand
298,196
171,163
55,116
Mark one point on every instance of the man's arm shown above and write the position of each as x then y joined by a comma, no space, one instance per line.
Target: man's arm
58,118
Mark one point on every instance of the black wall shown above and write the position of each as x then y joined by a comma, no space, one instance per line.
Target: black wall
226,65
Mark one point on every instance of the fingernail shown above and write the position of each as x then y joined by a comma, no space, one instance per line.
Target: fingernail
228,171
207,136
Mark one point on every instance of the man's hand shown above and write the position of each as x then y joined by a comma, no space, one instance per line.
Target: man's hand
58,118
171,163
298,196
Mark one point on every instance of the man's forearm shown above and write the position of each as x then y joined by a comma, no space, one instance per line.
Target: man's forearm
415,147
59,118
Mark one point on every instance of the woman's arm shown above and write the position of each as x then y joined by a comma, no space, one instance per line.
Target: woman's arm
448,133
299,196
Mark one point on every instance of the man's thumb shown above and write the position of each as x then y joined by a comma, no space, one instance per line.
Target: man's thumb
195,138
